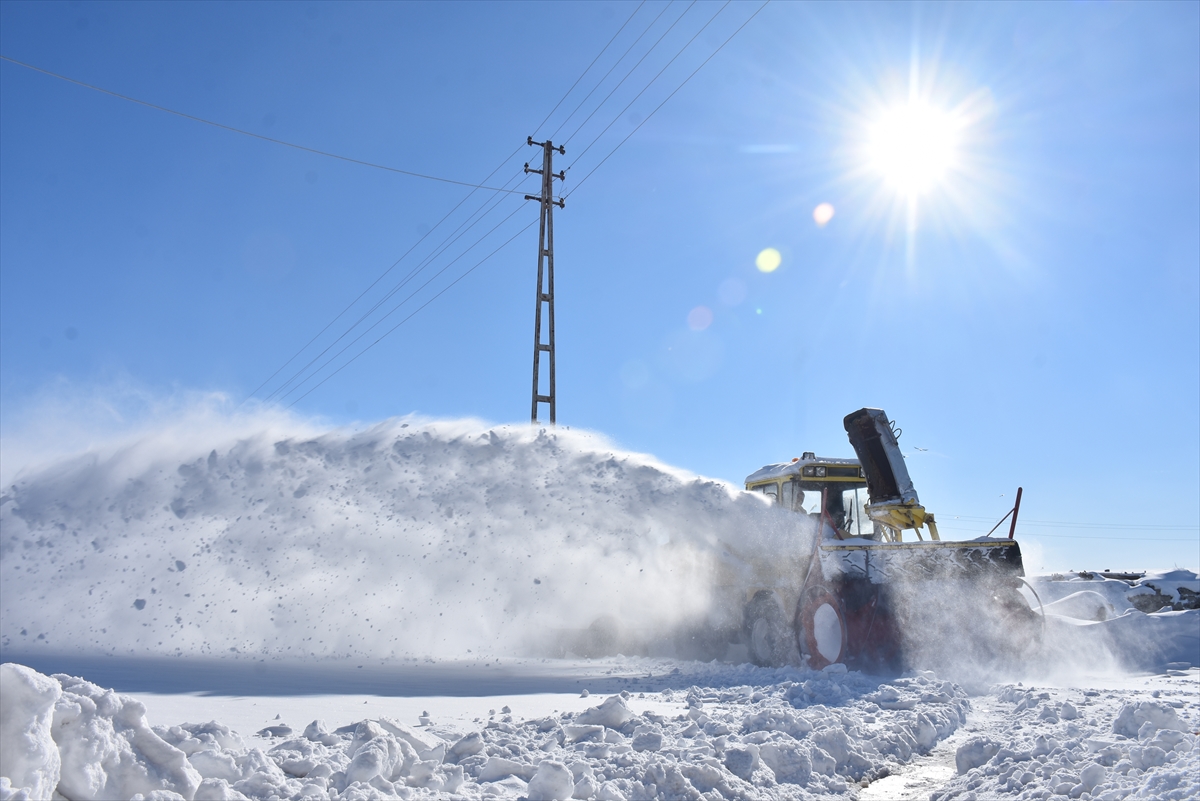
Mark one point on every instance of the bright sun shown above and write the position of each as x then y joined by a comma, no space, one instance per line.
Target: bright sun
913,147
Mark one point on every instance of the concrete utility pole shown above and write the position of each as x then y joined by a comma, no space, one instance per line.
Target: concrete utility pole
545,277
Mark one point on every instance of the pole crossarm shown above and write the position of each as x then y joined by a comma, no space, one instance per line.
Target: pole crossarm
561,202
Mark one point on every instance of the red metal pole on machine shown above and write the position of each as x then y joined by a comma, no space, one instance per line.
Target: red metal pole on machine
1012,529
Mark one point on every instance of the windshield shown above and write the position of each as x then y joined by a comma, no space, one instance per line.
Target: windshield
845,509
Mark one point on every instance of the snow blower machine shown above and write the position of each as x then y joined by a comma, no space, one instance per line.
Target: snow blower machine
864,596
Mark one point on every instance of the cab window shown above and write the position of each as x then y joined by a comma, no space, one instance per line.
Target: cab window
771,491
789,492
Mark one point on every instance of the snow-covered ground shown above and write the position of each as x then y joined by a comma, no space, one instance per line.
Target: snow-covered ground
713,731
368,615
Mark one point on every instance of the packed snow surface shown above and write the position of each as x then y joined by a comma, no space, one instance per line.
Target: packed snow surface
409,538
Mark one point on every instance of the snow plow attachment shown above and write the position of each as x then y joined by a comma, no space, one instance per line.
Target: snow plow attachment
888,562
890,606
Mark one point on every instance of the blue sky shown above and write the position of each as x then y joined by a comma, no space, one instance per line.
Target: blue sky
1032,318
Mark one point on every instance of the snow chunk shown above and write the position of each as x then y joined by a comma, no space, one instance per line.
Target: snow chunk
647,738
109,750
29,758
426,745
975,752
468,746
613,714
1133,716
552,782
789,761
741,761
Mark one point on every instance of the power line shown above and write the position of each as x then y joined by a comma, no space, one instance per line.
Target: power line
230,128
1131,538
381,276
616,63
438,250
589,66
1072,524
621,113
657,42
415,311
446,288
436,253
668,97
410,296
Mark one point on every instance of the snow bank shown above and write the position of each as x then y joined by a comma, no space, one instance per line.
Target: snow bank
1099,745
409,538
801,735
1094,623
1154,590
29,758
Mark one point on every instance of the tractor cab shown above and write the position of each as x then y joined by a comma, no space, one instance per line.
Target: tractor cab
832,491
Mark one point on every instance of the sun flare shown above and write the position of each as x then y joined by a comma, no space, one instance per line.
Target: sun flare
913,147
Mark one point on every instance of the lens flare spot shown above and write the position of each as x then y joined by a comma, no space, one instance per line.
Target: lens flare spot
823,214
700,318
768,261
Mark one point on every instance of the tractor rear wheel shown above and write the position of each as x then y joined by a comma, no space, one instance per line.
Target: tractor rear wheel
766,632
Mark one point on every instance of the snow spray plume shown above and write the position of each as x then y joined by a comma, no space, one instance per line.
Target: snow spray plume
408,538
976,630
986,629
65,421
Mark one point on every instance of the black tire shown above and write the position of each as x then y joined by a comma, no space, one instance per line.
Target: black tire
768,639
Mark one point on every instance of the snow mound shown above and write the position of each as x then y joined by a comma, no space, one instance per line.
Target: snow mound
1093,622
809,735
410,538
1102,745
29,758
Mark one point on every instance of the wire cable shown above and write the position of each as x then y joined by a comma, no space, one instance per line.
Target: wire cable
410,296
438,250
585,178
678,19
616,64
664,102
423,237
589,66
415,312
382,275
243,132
1070,524
1031,534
